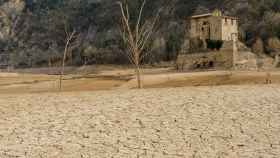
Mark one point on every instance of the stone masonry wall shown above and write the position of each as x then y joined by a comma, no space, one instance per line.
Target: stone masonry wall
229,29
212,59
225,58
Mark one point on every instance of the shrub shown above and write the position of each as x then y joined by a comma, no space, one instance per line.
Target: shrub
214,44
219,44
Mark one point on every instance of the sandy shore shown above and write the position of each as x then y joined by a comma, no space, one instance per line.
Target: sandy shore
21,83
223,121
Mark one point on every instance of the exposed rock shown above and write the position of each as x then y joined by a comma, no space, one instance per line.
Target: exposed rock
277,60
273,44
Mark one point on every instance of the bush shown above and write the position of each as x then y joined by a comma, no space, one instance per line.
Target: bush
173,46
219,44
214,44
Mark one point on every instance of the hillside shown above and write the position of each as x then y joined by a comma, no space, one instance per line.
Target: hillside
32,32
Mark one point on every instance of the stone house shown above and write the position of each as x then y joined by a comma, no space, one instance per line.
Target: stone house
232,55
214,26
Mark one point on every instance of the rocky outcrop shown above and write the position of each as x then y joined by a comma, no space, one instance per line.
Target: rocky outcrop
273,45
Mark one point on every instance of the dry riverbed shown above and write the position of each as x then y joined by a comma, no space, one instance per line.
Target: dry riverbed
219,121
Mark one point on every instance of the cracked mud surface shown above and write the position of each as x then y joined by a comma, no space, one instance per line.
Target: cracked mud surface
226,121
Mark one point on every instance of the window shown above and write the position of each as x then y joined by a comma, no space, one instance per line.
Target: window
232,22
225,20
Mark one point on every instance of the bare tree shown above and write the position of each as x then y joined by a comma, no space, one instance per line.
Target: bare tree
136,37
69,38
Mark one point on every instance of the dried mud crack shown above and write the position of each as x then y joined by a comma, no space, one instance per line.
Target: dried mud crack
224,121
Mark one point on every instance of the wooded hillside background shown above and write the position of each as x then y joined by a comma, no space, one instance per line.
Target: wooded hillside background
33,32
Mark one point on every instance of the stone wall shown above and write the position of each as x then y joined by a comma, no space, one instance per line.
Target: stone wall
225,58
197,25
214,27
212,30
229,29
240,58
205,60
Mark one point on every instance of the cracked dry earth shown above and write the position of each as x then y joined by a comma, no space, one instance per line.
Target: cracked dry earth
202,122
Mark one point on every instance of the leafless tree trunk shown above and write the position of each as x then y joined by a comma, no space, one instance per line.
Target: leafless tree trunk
136,37
69,38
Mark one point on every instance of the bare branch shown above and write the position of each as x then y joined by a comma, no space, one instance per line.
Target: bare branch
150,31
139,20
127,12
127,27
68,41
136,39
